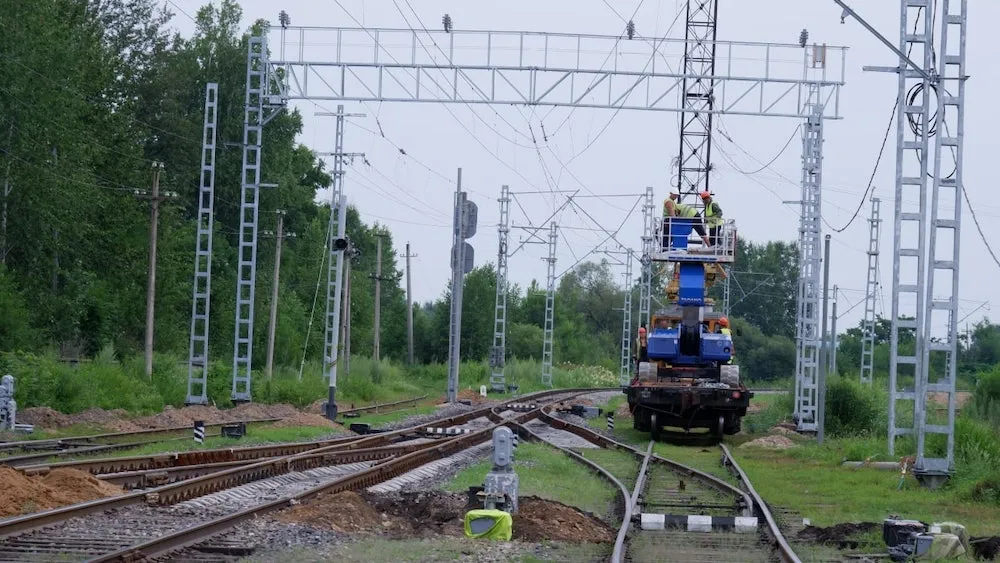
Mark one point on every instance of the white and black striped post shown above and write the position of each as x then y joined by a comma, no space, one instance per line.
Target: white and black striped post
611,421
199,431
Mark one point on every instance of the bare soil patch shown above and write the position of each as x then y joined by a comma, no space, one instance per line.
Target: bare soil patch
305,419
437,513
119,420
839,534
773,442
20,494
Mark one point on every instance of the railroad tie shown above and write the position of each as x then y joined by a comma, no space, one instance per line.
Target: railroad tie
453,431
698,523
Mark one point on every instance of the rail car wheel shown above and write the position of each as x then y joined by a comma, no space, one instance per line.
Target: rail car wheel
654,427
720,427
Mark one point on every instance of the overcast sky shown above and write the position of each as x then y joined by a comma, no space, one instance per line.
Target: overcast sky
493,145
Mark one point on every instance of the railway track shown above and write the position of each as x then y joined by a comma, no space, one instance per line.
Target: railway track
668,511
167,518
30,452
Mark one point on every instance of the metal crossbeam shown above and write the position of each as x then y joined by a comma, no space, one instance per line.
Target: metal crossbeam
544,69
550,296
871,290
943,258
499,350
906,347
197,385
807,325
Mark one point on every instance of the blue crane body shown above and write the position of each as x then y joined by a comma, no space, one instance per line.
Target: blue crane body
689,380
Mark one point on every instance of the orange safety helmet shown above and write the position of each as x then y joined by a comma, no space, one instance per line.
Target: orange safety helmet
724,321
705,195
642,330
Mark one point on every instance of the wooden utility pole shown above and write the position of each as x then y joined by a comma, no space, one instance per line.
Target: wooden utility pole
269,367
409,307
154,197
378,297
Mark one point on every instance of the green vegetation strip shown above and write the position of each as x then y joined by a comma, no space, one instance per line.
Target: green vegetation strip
548,473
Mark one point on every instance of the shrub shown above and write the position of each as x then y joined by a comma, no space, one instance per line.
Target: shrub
853,409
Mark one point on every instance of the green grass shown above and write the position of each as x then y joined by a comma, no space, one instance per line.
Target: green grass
547,473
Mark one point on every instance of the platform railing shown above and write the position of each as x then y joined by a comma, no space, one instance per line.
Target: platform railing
680,239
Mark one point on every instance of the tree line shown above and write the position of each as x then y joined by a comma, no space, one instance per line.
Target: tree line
92,94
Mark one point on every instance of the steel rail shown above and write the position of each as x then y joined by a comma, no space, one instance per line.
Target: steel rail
56,442
206,484
773,530
618,553
365,478
376,406
588,434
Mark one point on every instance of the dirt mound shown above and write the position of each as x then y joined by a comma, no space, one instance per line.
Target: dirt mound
20,494
985,548
838,534
304,419
343,512
248,411
44,417
539,519
436,513
79,486
772,442
785,431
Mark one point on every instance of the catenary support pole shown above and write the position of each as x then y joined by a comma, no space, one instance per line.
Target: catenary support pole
338,278
457,265
833,333
409,308
378,299
273,320
197,384
821,394
151,272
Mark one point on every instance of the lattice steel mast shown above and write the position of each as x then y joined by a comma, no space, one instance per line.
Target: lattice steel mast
946,195
197,387
626,364
807,325
697,99
499,350
646,281
550,296
871,290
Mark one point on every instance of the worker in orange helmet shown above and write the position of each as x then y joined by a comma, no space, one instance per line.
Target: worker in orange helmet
713,218
674,208
724,324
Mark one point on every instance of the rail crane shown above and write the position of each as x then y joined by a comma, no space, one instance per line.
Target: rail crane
689,380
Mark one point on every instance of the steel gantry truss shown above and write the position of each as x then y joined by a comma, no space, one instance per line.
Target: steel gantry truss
626,364
871,290
258,98
698,100
807,323
498,354
197,388
550,297
520,68
646,263
917,258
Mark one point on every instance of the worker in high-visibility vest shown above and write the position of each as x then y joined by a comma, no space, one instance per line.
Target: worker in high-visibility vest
713,218
724,324
674,208
640,353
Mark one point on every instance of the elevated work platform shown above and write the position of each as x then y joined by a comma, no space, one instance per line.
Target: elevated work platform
680,239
